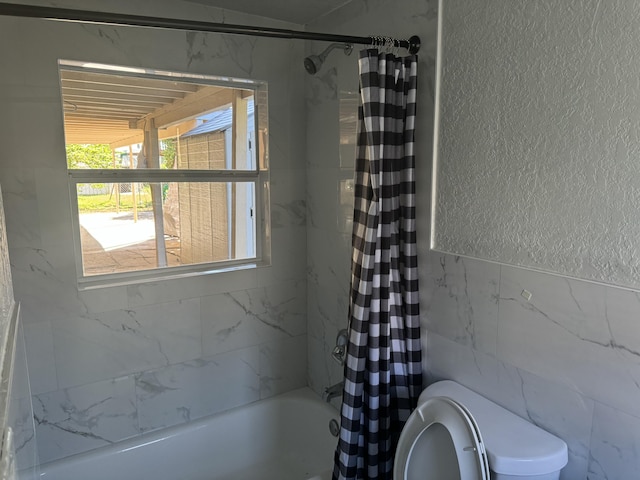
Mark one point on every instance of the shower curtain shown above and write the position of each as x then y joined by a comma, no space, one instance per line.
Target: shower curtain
383,364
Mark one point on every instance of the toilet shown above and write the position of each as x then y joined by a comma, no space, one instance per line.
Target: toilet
456,434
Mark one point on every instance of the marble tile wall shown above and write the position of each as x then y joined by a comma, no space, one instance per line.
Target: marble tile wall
567,360
21,418
114,362
19,409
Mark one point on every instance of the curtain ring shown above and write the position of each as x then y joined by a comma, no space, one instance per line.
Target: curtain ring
389,44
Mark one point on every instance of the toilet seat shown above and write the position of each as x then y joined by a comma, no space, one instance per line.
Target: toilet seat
440,440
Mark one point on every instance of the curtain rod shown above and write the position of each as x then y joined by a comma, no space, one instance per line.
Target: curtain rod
105,18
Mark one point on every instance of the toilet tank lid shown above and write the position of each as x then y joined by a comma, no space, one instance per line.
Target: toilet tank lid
514,446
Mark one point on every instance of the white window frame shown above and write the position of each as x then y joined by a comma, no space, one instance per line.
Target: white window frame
259,176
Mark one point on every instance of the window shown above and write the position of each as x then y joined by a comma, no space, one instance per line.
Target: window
168,172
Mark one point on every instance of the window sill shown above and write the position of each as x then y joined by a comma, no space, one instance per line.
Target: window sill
160,275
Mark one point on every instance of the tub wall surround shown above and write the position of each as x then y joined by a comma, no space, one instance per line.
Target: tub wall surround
19,448
111,363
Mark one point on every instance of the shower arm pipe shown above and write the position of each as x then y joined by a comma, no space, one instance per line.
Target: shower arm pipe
106,18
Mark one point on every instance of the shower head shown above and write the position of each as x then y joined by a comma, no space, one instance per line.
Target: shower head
313,63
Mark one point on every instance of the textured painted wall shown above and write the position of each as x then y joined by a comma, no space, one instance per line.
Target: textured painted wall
539,139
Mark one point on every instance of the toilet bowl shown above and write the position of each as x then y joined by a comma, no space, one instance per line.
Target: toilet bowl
456,434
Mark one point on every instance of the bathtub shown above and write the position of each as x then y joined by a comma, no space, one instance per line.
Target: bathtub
282,438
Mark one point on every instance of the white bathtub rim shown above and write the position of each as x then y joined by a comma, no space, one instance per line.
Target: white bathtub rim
165,433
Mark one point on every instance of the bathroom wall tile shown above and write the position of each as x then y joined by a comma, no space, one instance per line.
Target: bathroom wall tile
323,371
460,300
151,293
20,414
285,214
283,366
40,274
39,347
226,325
7,300
54,214
323,193
450,360
191,390
554,408
78,419
570,323
329,261
323,329
288,253
21,207
279,148
104,299
349,99
329,266
326,315
615,442
42,111
288,198
321,94
116,343
251,317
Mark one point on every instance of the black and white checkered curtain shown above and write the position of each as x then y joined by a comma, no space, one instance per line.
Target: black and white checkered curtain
383,364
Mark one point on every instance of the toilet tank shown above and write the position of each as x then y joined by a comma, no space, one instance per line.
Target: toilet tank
516,449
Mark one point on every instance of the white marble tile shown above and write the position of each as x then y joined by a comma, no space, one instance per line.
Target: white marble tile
20,414
323,194
226,325
251,317
615,443
120,342
42,366
104,299
78,419
288,198
323,371
324,317
322,96
7,300
42,111
554,408
569,334
288,257
285,214
449,360
21,207
329,260
190,390
283,366
460,300
44,285
151,293
622,316
54,214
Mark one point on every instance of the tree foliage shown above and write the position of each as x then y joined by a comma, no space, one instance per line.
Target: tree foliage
89,156
169,153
